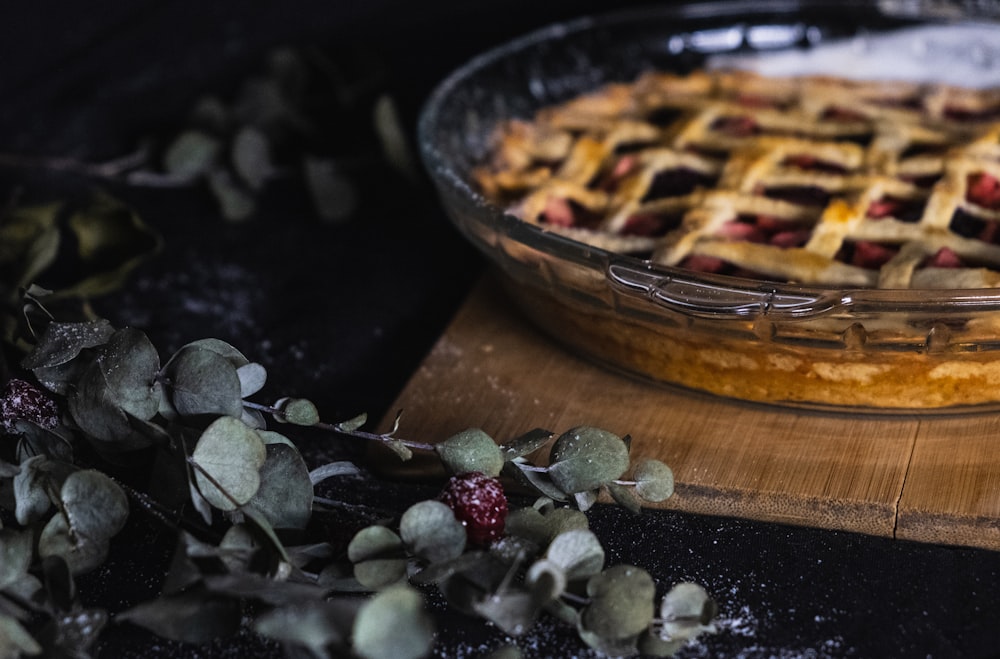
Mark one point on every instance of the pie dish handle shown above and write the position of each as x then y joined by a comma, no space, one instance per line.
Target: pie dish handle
692,296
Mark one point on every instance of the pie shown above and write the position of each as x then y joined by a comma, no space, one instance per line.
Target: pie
806,181
813,180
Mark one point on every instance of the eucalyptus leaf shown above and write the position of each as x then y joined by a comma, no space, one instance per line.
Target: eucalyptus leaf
393,625
378,557
221,348
332,469
120,380
61,342
191,154
443,570
505,652
585,500
654,480
546,580
522,472
624,497
262,589
16,554
514,612
15,639
192,616
686,611
35,486
578,552
315,627
252,378
111,241
229,456
251,157
430,531
29,244
585,458
235,203
471,450
201,381
55,443
334,196
285,494
353,424
527,443
95,506
297,411
621,603
81,553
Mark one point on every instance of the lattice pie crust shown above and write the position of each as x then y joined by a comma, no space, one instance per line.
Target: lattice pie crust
814,180
810,180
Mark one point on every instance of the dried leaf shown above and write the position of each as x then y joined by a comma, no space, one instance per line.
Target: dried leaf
654,480
285,495
192,153
251,156
235,203
430,531
393,625
192,616
334,196
471,450
586,458
578,552
230,455
61,342
621,603
202,381
342,468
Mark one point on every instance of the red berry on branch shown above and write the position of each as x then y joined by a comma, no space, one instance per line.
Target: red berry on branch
21,400
479,503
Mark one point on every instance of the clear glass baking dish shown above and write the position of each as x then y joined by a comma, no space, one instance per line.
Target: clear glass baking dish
852,349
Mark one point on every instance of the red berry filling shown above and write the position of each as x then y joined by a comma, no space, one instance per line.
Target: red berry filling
983,190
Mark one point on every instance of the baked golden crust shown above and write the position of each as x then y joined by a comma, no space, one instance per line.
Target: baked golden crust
811,180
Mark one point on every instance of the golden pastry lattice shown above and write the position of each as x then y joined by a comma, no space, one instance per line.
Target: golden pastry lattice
812,180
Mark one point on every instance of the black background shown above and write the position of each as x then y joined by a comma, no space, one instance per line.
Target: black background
343,314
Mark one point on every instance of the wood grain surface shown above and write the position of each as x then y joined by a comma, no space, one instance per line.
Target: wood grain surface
925,478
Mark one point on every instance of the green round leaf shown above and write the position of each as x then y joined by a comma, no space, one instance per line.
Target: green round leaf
298,411
546,579
585,458
61,342
316,627
378,557
578,552
430,531
120,382
654,480
471,450
191,153
621,603
686,611
203,382
285,496
230,453
393,625
81,554
96,507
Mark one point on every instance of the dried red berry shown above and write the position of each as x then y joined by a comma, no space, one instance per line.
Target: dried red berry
22,400
479,502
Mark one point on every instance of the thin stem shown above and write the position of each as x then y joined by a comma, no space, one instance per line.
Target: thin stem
339,428
211,479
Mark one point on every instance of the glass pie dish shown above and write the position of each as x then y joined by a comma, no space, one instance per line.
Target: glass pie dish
848,348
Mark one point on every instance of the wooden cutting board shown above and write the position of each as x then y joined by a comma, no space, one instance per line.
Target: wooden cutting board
916,477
